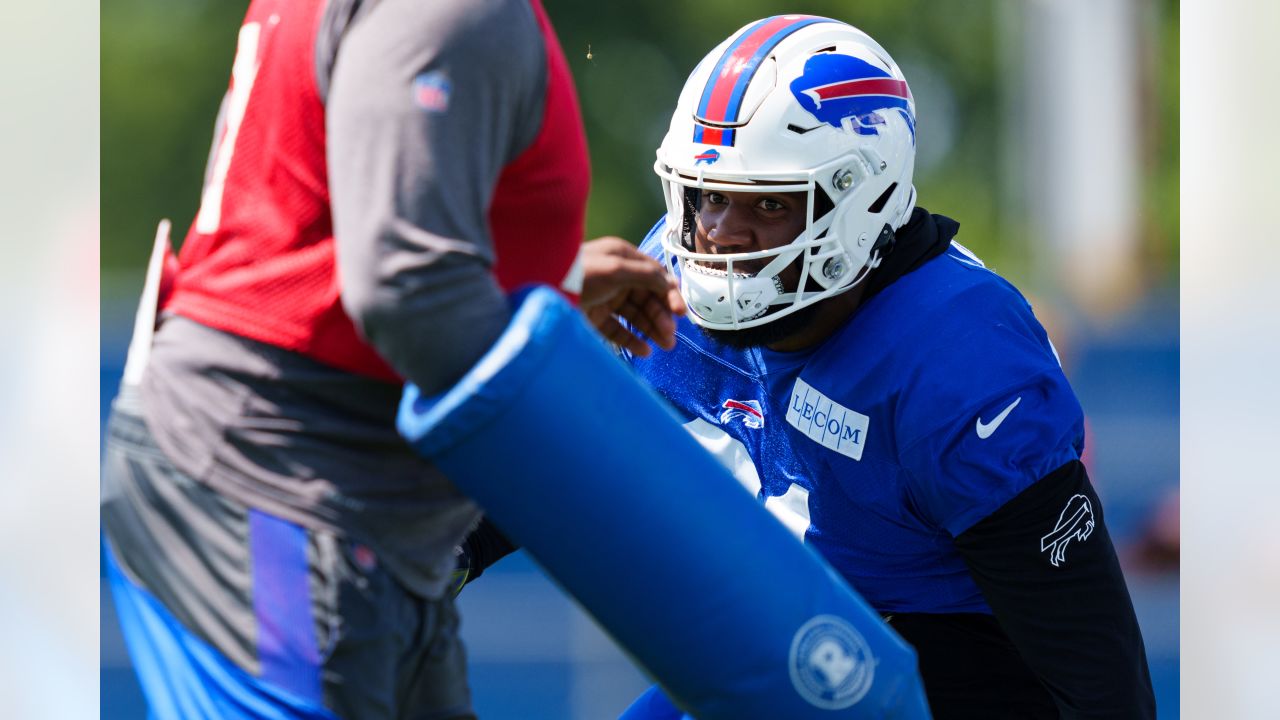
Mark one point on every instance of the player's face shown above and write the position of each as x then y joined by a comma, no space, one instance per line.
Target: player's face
740,222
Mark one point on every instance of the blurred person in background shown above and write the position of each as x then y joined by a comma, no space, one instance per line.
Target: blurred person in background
1159,544
890,399
382,173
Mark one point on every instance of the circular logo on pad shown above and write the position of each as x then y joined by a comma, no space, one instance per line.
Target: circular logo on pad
831,664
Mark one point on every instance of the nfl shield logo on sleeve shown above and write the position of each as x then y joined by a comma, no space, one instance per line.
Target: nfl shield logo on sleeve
431,91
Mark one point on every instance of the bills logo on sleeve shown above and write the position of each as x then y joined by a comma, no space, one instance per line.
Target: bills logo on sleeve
1075,522
834,87
827,422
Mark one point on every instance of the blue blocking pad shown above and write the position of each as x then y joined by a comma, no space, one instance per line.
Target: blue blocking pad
592,474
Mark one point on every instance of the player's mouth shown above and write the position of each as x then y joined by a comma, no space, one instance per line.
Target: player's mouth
718,269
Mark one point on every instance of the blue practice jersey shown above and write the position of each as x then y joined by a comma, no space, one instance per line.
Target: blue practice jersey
934,405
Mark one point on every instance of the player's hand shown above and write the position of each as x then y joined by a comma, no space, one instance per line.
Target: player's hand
619,281
461,570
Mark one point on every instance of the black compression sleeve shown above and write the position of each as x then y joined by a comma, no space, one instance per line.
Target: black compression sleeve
1046,566
485,546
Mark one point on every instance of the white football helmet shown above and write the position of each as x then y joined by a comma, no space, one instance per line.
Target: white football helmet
786,104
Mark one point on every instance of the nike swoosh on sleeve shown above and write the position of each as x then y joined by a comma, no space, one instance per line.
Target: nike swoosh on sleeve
985,429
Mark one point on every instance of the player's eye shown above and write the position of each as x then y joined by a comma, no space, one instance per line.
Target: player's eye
714,198
769,204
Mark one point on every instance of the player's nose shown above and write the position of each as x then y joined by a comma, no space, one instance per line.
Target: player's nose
730,231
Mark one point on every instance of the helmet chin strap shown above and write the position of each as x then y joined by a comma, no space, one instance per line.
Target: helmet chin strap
884,241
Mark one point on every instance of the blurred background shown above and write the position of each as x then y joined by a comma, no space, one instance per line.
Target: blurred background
1049,129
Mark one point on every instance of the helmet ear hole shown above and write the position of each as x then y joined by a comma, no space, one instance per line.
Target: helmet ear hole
878,205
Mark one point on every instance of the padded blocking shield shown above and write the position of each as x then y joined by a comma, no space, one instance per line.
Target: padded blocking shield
593,475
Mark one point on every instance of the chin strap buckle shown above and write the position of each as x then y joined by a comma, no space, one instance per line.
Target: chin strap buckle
885,241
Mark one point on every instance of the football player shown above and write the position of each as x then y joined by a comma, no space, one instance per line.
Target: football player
893,401
384,172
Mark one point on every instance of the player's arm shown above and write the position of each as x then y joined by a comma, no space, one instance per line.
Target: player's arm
426,103
1003,477
482,548
1046,565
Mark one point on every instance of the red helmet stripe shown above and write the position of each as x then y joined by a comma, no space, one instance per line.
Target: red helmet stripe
722,97
865,86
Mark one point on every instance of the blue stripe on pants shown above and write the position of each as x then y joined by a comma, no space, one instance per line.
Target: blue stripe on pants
287,647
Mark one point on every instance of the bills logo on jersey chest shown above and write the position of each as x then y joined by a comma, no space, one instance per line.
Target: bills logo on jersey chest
748,411
827,422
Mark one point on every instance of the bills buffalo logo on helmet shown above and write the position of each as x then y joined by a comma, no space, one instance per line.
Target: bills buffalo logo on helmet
834,87
747,410
1075,523
706,157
